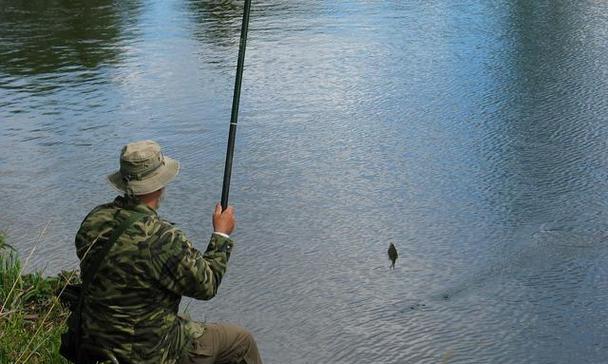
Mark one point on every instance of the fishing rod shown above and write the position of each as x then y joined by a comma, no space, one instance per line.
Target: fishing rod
235,105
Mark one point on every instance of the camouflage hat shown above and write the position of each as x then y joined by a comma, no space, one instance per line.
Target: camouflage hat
143,168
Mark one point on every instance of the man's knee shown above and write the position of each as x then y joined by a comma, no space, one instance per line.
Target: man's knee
243,336
248,340
245,347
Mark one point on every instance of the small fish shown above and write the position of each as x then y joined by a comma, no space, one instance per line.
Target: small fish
392,255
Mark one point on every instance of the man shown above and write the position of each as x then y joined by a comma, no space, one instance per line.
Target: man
132,303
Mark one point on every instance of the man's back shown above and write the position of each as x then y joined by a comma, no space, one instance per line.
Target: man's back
131,306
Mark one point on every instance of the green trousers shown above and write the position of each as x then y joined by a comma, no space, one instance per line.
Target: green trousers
223,344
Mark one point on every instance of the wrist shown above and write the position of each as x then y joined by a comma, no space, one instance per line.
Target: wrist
220,233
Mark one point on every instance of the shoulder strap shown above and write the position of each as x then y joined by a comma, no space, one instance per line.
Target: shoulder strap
97,259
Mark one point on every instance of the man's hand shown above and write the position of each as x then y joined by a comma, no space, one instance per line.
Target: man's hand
223,221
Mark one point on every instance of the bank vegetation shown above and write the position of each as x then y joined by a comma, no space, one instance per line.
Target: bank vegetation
31,316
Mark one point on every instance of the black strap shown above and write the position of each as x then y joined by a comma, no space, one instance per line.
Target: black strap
96,260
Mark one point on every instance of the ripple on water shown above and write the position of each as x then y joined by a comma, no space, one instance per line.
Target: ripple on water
472,136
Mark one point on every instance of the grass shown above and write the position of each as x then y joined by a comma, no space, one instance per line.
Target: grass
31,317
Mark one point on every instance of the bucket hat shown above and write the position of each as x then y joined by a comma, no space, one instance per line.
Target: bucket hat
143,168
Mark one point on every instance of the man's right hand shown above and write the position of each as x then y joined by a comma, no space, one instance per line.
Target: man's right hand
223,221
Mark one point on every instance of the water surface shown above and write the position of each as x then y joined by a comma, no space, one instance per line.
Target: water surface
473,136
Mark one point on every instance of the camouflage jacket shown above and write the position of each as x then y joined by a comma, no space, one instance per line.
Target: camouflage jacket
131,307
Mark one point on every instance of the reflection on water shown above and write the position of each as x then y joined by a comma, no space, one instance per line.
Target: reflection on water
59,38
216,21
472,135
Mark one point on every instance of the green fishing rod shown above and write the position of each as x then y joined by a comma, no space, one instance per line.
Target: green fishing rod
235,105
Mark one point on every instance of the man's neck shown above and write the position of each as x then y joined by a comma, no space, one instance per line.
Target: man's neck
151,204
152,199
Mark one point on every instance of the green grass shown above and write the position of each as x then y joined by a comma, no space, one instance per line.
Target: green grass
31,316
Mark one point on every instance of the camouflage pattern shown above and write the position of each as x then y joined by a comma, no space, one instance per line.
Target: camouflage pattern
131,306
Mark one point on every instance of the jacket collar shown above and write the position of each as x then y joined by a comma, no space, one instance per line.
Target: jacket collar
131,203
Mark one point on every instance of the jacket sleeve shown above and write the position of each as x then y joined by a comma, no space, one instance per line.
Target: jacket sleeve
184,270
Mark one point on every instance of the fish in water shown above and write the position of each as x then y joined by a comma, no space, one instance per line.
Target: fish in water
392,255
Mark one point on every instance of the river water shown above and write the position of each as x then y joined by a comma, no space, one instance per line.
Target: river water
471,134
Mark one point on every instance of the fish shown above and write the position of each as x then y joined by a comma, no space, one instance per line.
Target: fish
392,255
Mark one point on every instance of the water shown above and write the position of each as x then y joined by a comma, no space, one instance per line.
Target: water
471,135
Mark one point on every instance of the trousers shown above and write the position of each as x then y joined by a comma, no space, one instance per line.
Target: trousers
223,344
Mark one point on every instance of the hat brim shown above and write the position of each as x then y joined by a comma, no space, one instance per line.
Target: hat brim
157,180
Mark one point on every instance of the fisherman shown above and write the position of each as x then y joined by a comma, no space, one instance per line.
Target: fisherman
131,306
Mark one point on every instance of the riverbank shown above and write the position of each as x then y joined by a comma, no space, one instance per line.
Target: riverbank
31,316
